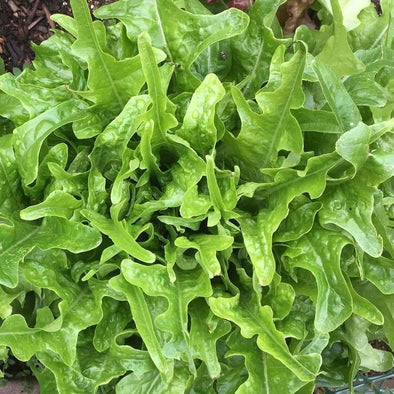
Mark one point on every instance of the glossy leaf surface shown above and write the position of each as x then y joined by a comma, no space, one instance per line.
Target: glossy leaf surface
193,200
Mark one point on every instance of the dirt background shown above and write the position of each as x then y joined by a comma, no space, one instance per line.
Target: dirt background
25,21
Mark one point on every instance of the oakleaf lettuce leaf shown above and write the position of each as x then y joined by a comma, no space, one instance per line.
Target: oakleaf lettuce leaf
191,202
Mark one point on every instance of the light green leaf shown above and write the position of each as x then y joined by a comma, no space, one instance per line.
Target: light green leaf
89,126
380,272
297,323
17,240
20,238
252,50
120,189
97,193
195,204
116,315
72,236
262,136
80,308
10,195
205,331
353,145
57,204
222,190
207,246
319,252
299,221
111,143
169,27
144,323
44,98
287,185
151,381
119,234
25,341
93,369
154,281
46,379
265,372
378,168
362,307
337,52
214,215
370,358
382,302
245,310
349,206
111,82
317,121
69,182
364,90
349,10
345,110
162,109
280,297
58,154
199,122
6,297
374,31
29,137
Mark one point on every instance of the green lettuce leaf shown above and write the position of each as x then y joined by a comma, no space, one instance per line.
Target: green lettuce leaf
254,319
168,25
192,203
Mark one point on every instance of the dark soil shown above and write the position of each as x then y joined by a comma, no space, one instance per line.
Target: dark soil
26,21
378,8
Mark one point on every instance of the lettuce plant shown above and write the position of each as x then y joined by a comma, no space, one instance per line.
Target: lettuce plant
192,203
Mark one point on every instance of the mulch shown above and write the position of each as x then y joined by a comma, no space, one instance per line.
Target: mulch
26,21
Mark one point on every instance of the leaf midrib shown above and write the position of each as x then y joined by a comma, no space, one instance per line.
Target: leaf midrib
185,333
276,135
88,22
272,337
162,32
13,246
253,71
283,185
8,181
